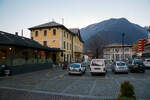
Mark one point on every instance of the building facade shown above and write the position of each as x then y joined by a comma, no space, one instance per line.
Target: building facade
77,45
17,50
146,53
56,35
114,52
139,46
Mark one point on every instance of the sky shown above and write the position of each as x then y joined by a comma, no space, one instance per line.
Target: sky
16,15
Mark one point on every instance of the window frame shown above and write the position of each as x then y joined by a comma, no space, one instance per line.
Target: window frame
45,32
36,33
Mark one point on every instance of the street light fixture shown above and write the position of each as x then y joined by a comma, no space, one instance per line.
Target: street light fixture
123,34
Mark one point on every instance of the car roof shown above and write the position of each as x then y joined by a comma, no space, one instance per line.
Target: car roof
147,59
76,63
98,59
119,61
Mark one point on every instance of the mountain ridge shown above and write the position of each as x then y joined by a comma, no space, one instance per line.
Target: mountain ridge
113,28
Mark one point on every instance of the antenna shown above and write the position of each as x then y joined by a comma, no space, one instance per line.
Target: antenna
63,21
22,32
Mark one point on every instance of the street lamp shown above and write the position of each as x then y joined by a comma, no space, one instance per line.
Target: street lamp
123,34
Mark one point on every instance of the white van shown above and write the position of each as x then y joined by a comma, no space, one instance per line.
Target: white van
97,66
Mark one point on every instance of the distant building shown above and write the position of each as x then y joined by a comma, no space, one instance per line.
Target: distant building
113,52
56,35
139,46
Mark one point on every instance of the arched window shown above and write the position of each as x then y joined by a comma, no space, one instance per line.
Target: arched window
45,32
54,31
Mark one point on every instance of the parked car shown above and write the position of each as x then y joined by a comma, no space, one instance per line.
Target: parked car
4,70
76,68
98,66
136,65
147,63
119,66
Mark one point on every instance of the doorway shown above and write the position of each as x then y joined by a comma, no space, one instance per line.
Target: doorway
54,58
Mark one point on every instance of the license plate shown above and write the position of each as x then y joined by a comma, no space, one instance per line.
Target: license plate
74,70
97,68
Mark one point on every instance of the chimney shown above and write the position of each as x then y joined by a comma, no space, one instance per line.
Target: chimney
63,21
16,33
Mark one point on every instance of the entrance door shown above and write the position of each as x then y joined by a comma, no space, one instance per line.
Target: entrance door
54,58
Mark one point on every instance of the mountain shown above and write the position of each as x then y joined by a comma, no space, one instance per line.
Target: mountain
112,29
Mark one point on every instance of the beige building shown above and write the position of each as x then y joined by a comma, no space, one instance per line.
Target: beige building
114,52
56,35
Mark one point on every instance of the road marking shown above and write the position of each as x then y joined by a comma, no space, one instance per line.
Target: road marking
48,73
57,94
30,83
92,89
68,87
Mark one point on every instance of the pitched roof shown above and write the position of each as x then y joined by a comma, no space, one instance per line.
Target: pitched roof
49,24
15,40
74,30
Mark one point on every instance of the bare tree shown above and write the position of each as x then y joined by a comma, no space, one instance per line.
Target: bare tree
95,45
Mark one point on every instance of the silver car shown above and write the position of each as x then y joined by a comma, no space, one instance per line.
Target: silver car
119,66
76,68
147,63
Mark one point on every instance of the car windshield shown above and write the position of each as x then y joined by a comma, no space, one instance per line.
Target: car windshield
75,65
148,60
138,61
121,64
97,63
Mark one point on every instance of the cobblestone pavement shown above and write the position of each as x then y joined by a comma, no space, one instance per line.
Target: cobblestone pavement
57,81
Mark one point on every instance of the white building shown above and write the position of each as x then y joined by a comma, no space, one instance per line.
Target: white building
113,52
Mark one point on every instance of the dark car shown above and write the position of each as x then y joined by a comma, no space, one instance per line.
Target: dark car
137,65
4,70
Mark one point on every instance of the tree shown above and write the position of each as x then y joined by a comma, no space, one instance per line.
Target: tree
95,45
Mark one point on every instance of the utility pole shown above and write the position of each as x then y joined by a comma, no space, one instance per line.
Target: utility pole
123,34
96,52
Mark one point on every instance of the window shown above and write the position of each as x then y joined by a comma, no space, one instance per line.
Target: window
70,37
67,46
64,34
127,49
54,31
70,46
45,32
64,44
45,43
67,35
36,33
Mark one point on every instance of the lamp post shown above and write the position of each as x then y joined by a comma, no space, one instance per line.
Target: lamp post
123,34
97,53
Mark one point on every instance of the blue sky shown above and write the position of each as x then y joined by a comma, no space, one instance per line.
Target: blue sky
22,14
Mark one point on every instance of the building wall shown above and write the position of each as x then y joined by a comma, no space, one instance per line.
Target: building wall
62,40
116,53
20,56
139,46
77,48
